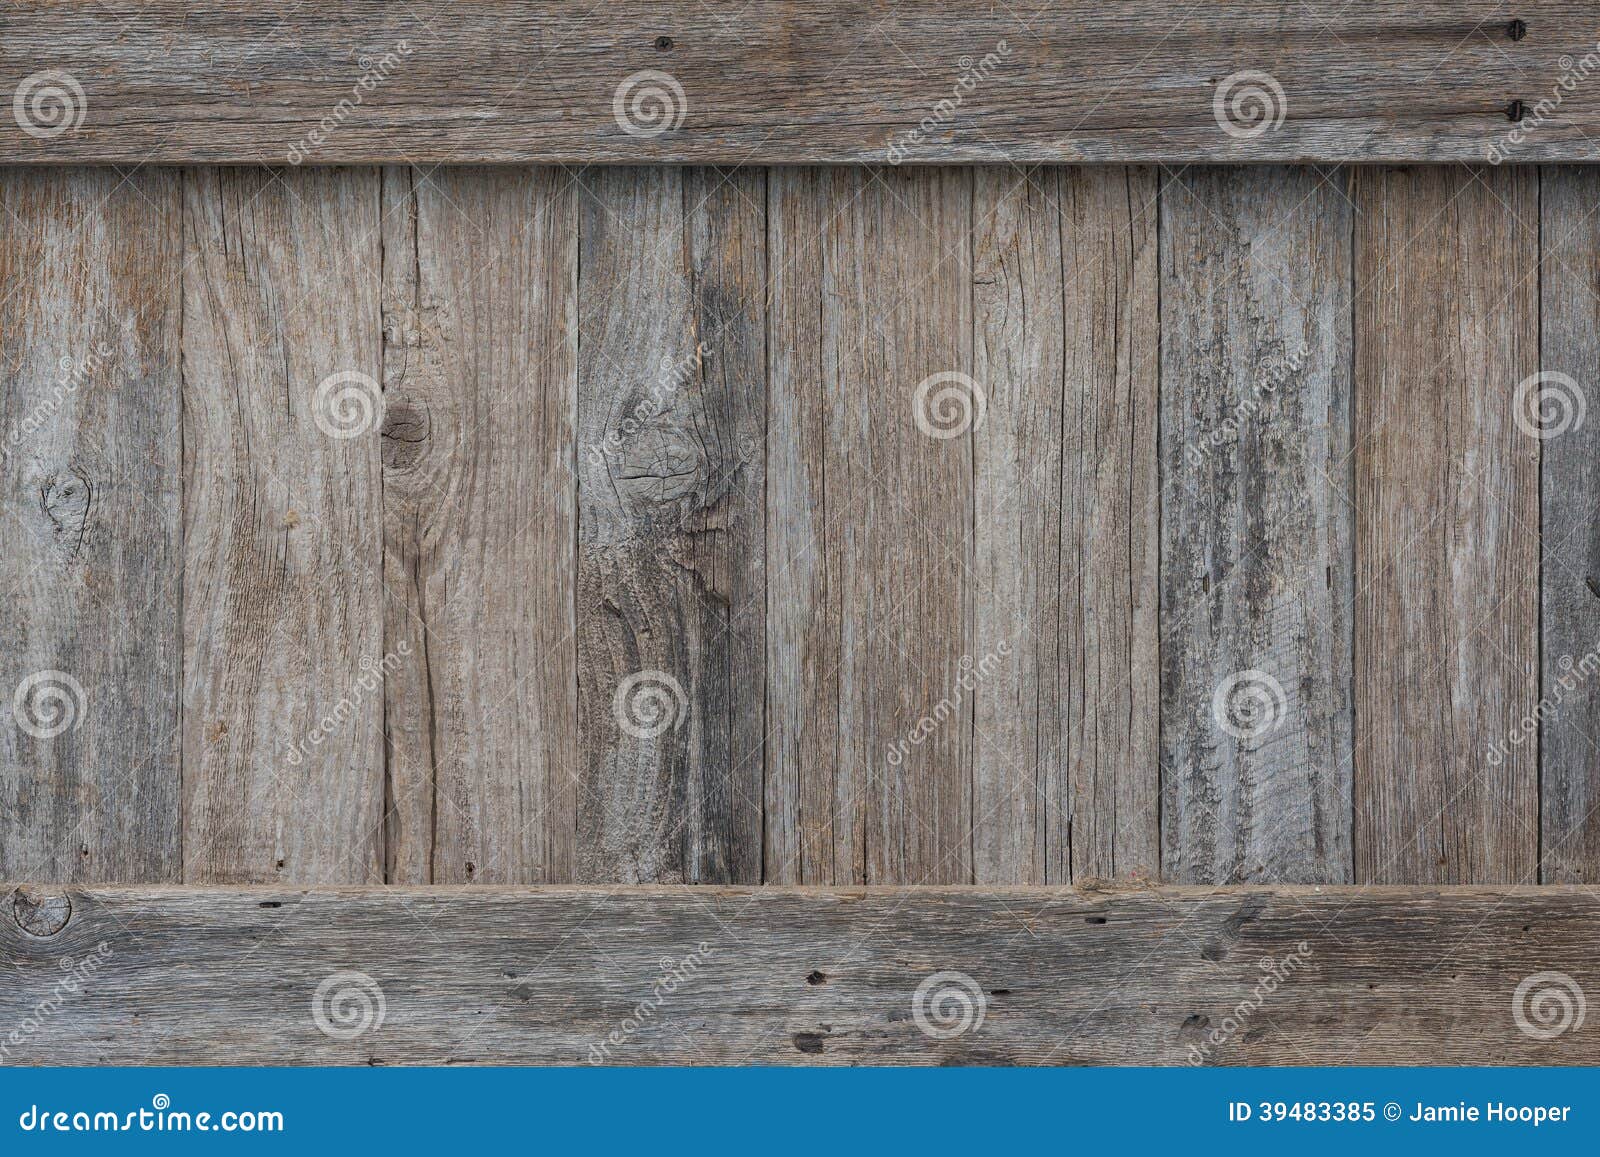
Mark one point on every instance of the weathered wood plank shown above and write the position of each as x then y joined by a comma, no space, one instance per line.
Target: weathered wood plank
1067,327
1258,538
812,830
1554,408
875,542
89,478
671,585
1447,525
480,393
799,976
282,583
798,81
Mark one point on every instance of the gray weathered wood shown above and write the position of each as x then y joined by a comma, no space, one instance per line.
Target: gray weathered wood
1447,525
90,525
282,582
803,80
814,800
1066,325
671,589
798,976
1258,547
871,299
480,392
1558,410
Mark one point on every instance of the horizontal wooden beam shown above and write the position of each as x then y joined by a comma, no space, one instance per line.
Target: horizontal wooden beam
728,976
778,81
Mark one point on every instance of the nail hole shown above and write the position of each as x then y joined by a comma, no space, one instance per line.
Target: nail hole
1517,29
814,978
663,44
272,903
1515,111
1094,919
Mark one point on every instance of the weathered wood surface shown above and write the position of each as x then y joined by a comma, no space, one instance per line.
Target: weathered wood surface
863,460
884,508
799,81
90,534
671,446
1555,410
480,398
1066,336
283,538
1257,549
1447,525
708,975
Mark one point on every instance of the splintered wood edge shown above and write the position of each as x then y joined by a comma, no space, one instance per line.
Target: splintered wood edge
795,81
719,975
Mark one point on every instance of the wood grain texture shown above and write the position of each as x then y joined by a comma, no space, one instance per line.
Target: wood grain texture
1558,409
89,474
1066,321
671,586
1258,547
800,976
480,392
874,545
798,81
1447,525
282,596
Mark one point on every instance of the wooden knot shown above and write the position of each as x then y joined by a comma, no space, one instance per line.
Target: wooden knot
407,427
65,499
40,913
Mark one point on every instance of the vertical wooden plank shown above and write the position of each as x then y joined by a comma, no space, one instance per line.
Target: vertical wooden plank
1447,604
1110,592
671,586
1554,409
1067,327
889,449
480,392
89,479
1021,814
282,598
808,841
1257,543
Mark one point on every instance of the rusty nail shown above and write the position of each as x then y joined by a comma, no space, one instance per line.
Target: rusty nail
1515,111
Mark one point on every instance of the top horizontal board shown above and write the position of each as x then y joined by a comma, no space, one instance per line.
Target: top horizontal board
801,81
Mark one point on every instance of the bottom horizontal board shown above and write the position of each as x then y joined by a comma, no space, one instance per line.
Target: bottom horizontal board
798,976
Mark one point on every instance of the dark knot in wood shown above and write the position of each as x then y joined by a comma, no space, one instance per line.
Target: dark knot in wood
40,913
65,498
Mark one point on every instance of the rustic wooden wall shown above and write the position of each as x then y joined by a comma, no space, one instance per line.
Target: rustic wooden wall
341,505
